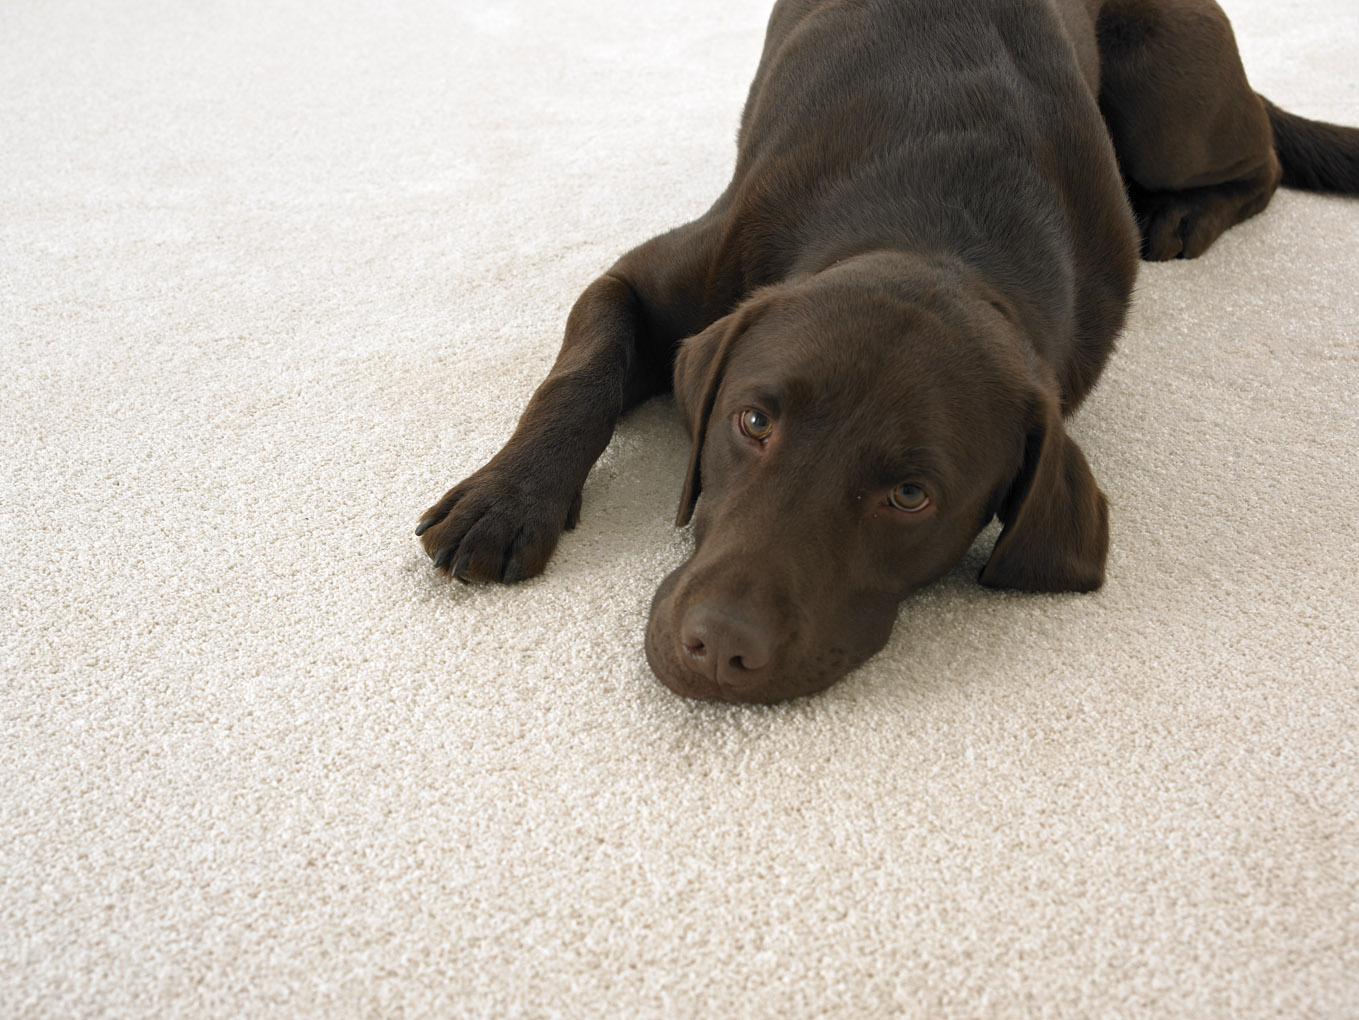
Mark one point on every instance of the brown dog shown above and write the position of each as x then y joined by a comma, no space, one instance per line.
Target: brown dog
918,269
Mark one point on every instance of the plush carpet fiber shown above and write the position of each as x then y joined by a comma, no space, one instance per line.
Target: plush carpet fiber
275,275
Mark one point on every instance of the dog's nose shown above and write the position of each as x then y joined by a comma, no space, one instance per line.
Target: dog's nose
725,645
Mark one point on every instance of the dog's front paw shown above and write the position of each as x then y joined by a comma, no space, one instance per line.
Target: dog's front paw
498,525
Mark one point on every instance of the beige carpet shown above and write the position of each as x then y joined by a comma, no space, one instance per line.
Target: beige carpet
274,275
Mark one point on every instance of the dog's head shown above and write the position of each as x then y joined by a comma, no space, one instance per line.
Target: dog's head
852,433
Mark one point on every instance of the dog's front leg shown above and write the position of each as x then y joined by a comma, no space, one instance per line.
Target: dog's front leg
502,523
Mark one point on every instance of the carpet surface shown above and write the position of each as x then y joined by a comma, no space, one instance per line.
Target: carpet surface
274,275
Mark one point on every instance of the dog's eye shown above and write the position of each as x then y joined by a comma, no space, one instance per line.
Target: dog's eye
909,497
756,424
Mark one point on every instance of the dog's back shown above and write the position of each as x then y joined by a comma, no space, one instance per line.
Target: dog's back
871,120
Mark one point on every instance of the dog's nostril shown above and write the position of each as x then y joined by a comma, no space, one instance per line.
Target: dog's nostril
693,642
756,653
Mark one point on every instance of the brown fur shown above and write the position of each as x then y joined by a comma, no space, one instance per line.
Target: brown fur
918,269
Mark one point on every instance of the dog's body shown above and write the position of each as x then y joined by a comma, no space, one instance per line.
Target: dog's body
919,268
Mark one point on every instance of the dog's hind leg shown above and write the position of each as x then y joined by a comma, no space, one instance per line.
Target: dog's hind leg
1193,139
502,523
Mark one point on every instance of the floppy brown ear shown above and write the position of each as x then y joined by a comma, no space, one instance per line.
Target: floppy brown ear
1056,533
699,367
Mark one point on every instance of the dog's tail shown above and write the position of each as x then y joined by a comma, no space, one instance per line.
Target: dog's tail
1316,156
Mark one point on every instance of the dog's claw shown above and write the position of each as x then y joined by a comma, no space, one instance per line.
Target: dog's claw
573,514
442,558
461,566
425,525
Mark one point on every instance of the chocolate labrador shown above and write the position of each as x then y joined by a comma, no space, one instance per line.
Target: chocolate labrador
875,334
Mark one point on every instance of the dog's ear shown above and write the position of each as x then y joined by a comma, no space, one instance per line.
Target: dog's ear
699,367
1056,521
